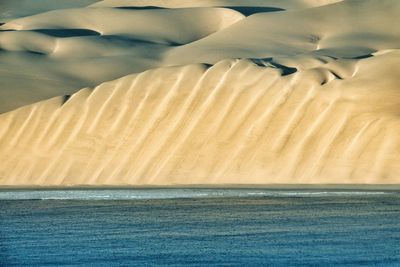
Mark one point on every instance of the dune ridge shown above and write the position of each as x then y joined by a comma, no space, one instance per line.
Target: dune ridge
236,122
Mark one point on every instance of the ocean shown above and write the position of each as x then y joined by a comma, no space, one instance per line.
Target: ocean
193,227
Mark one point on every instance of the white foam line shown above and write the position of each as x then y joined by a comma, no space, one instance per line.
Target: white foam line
172,193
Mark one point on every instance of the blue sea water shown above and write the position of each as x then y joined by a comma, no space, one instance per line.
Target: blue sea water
191,227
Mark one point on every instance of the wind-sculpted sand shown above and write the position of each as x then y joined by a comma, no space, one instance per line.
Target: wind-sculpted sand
236,122
222,92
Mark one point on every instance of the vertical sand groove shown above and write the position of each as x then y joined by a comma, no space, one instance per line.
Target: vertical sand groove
105,115
46,131
327,141
123,122
293,121
298,152
240,125
222,135
22,128
229,99
125,113
363,151
263,122
5,127
382,154
118,125
133,123
181,146
157,118
164,132
152,123
100,114
183,116
32,128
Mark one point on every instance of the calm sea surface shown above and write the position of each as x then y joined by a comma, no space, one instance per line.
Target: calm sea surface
199,227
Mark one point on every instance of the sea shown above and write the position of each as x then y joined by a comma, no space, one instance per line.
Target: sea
199,227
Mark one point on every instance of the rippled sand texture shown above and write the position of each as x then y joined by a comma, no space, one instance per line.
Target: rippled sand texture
289,95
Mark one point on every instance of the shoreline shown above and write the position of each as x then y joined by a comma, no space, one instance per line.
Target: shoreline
366,187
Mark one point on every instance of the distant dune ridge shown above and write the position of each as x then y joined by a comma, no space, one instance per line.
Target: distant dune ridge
211,92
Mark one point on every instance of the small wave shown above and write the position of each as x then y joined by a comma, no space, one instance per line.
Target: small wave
127,194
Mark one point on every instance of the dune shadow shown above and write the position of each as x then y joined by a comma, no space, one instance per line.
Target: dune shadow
245,10
32,52
268,62
62,33
65,99
207,65
137,41
250,10
285,70
140,7
363,56
337,76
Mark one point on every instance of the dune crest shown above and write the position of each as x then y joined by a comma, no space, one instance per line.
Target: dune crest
237,122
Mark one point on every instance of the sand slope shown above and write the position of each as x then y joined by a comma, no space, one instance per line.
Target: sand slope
237,122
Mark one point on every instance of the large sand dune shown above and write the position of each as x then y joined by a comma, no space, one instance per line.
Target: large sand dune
211,92
60,51
233,123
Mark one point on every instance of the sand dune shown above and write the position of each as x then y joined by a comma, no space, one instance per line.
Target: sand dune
60,53
236,122
63,50
309,32
186,25
199,92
